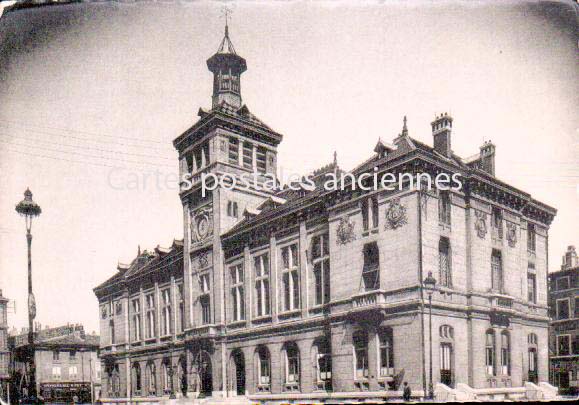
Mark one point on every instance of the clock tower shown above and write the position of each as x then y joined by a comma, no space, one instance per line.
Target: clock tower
227,142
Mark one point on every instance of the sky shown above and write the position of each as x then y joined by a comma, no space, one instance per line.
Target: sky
92,95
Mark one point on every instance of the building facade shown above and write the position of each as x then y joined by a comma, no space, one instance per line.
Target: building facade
312,292
67,364
564,336
4,350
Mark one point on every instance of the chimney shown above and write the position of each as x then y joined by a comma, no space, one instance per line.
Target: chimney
570,258
487,157
441,129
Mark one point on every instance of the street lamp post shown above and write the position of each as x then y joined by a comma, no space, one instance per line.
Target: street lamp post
29,209
429,285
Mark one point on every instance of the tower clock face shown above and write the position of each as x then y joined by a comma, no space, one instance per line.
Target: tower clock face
203,226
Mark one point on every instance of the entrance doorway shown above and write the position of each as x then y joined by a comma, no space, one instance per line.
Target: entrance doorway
239,363
205,375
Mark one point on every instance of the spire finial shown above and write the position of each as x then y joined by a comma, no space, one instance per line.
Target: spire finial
404,127
335,158
226,13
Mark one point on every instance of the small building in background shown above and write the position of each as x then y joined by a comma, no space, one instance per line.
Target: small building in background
4,351
564,330
66,359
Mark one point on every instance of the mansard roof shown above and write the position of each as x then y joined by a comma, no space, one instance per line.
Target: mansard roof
144,263
404,146
226,115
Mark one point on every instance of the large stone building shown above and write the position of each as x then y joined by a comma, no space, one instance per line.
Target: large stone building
313,293
66,361
4,351
564,336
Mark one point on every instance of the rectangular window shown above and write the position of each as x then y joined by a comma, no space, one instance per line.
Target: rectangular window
386,354
56,372
497,271
237,292
261,154
181,304
293,366
365,215
72,371
562,283
234,151
444,208
290,277
261,267
531,238
361,355
497,223
166,313
204,299
445,357
371,270
444,260
375,213
150,315
232,210
563,342
136,310
563,308
531,288
248,155
490,353
321,263
55,355
576,307
72,355
505,354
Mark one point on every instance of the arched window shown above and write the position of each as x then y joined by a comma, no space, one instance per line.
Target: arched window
165,376
386,353
446,354
152,379
505,353
490,347
533,358
360,342
323,363
292,366
263,369
137,379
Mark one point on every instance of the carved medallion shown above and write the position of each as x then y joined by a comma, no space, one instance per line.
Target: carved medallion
104,312
203,259
395,215
481,224
511,234
201,224
345,231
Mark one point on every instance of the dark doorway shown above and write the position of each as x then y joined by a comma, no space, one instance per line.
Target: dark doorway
563,379
239,362
205,375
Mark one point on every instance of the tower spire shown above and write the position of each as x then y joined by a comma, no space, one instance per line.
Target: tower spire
404,127
227,68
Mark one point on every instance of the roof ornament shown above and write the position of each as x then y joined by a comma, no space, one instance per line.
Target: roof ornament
404,127
226,44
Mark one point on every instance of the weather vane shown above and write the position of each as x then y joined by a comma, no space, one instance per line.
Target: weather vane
226,13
